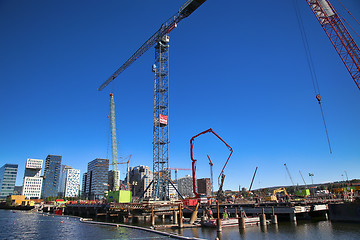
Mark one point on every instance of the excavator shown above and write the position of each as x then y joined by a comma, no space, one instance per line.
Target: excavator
273,197
220,196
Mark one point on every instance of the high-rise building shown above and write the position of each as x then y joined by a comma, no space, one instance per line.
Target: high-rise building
139,179
69,182
204,186
8,174
51,176
83,185
185,186
32,182
97,178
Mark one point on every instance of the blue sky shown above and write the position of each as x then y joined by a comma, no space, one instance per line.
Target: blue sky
238,67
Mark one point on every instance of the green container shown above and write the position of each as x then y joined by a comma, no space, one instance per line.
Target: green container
303,192
122,196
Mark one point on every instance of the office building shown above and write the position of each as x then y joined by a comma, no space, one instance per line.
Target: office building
83,186
185,186
51,176
8,174
204,186
97,178
69,182
32,183
139,179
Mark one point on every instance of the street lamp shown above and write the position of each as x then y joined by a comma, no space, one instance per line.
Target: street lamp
311,175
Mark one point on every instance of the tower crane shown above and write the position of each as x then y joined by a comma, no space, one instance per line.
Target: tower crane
116,176
339,36
161,105
117,163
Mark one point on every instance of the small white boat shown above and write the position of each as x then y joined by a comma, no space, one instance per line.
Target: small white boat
249,221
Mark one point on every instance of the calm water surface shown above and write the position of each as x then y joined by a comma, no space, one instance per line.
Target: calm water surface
323,230
27,225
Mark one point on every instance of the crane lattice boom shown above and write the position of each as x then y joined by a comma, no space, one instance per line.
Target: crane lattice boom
188,7
339,36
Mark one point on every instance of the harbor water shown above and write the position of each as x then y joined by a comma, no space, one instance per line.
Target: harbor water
29,225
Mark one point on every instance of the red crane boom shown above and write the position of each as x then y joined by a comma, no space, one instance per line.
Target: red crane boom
194,160
339,36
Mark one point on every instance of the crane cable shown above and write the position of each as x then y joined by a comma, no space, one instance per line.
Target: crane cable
351,16
311,66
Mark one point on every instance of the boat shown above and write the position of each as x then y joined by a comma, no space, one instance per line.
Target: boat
249,221
59,212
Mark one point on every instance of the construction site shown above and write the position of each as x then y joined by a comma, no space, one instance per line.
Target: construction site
162,205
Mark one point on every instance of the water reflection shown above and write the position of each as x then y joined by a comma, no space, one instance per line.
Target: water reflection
26,225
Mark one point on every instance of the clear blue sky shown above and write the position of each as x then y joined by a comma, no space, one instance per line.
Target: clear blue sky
238,67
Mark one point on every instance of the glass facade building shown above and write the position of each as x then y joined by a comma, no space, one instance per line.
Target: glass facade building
8,174
51,176
97,178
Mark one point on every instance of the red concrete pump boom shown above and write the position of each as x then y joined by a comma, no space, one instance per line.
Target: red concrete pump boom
194,160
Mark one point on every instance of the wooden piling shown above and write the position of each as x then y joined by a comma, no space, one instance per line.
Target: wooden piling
292,217
180,222
274,217
218,220
175,217
152,217
241,220
263,218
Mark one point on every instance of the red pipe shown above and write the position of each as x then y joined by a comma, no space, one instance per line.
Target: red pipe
194,160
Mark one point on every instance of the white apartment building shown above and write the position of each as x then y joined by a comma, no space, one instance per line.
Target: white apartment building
32,183
69,182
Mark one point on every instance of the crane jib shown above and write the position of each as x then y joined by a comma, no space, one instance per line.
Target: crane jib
188,8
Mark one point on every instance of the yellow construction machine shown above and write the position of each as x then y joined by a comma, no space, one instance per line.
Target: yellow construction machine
273,196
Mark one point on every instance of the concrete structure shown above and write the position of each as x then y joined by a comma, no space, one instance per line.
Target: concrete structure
185,186
139,178
8,174
69,182
97,178
51,176
204,186
32,183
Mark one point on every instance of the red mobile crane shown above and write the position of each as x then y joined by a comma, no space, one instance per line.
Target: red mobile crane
194,160
339,36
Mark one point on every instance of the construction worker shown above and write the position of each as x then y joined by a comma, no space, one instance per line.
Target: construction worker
225,213
209,213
